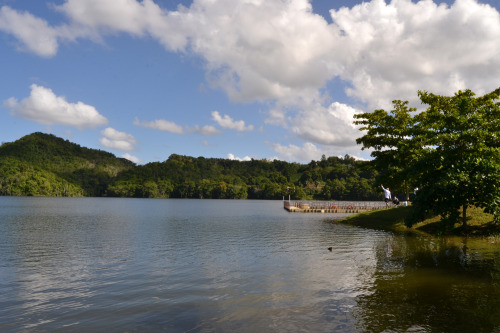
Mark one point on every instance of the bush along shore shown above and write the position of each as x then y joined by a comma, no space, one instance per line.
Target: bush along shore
479,224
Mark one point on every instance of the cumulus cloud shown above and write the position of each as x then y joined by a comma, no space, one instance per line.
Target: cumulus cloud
398,48
139,18
232,157
331,126
282,54
132,158
34,33
168,126
207,130
259,50
310,151
307,152
44,107
161,124
114,139
274,49
228,122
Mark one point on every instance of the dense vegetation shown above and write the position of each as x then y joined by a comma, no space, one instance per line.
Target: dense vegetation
44,165
450,151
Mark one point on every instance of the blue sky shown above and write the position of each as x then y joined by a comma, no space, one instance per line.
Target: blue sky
235,79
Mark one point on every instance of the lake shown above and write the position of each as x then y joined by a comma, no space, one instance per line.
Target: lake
149,265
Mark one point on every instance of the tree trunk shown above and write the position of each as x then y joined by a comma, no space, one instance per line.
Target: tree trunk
464,216
407,191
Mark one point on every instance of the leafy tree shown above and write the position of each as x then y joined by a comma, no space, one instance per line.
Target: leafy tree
460,166
390,135
451,151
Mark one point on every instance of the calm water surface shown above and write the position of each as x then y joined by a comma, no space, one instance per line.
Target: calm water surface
132,265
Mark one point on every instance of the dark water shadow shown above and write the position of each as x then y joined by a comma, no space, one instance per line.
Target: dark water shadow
433,285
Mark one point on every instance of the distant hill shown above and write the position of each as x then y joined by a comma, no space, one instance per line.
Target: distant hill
44,165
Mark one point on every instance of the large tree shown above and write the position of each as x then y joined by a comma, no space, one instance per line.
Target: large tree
460,165
451,151
389,135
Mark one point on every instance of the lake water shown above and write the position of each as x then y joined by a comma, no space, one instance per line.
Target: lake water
133,265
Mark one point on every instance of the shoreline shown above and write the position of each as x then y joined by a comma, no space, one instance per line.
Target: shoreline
480,224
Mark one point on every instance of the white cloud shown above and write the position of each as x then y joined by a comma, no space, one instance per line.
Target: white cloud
44,107
232,157
281,53
398,48
228,122
140,18
331,126
307,152
114,139
260,50
37,36
254,49
162,125
34,33
206,130
132,158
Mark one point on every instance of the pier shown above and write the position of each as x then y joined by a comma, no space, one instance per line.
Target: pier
342,207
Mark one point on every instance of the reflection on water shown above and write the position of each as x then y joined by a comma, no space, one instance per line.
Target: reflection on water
433,284
119,265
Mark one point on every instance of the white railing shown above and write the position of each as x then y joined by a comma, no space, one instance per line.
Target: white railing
335,205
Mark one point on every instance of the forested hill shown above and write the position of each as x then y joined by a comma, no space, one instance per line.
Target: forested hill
44,165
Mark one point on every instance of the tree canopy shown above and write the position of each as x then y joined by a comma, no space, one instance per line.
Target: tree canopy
389,135
450,151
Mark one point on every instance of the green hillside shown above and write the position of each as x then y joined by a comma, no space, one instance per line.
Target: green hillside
45,165
331,178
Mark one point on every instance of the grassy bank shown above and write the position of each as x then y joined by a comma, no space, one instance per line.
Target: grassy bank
479,223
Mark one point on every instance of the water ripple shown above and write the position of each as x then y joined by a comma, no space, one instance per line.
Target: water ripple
122,265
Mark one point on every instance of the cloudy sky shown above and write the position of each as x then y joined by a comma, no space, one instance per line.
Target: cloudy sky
235,79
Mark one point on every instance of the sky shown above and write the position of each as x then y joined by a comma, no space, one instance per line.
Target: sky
236,79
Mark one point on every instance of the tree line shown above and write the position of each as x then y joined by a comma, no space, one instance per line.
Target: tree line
44,165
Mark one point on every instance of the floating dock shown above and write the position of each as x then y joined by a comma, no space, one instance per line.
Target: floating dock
339,207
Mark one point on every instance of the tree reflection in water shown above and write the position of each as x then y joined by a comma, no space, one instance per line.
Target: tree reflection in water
433,285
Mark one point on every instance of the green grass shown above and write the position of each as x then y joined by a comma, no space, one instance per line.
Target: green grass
385,219
479,223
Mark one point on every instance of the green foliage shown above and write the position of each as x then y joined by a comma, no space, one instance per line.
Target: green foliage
190,177
390,135
45,165
41,164
460,164
451,151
